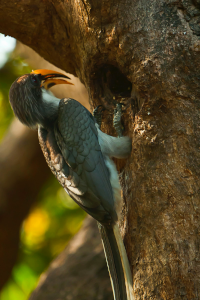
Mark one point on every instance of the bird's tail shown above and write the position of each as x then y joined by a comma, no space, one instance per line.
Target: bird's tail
117,261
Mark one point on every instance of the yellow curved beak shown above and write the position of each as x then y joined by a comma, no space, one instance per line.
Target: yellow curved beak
50,78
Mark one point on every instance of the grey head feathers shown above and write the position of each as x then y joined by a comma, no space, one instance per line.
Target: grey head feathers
32,105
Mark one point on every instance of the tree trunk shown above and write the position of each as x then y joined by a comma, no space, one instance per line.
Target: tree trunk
145,54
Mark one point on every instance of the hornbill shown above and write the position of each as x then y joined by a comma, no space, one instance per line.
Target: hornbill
79,155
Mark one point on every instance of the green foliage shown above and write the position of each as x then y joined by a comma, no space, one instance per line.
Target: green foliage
50,224
8,73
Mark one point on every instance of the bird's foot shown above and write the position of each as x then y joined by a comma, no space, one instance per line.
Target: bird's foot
97,114
117,119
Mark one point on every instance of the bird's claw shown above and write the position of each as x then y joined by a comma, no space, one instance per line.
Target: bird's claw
97,114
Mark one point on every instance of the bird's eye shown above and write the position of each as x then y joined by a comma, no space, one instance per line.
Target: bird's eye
34,80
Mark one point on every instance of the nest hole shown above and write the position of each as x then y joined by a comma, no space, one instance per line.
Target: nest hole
112,83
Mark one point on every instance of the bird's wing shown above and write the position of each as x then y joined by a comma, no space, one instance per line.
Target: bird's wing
77,139
74,155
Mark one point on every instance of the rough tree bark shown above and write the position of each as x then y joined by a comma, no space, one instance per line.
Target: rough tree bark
147,51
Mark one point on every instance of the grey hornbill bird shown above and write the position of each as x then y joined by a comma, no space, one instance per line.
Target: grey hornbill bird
79,155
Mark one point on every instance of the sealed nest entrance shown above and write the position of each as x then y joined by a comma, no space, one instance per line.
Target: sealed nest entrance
111,84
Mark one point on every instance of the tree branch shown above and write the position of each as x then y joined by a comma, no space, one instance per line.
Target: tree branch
37,24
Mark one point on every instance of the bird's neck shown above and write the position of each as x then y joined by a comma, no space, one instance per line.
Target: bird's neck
50,108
